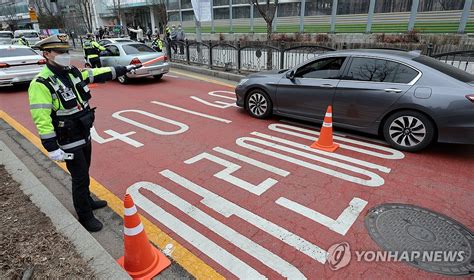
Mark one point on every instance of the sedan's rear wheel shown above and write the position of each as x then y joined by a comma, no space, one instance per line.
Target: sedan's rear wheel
158,77
259,104
409,131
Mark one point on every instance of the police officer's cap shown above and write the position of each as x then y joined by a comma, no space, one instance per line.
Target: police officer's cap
55,42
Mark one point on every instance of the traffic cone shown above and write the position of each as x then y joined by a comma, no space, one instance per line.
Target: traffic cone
141,260
325,141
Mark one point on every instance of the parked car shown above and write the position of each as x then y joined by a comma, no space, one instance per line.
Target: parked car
19,64
155,64
410,99
107,41
6,37
32,36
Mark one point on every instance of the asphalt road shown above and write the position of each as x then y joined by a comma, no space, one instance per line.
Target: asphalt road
228,195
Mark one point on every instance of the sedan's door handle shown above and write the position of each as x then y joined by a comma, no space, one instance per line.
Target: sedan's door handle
327,85
393,90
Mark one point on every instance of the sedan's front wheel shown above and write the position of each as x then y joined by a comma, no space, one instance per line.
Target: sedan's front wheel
409,131
259,104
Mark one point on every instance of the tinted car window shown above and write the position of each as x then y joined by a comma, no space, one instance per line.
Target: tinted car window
447,69
104,42
112,50
379,70
28,35
6,35
11,52
136,49
327,68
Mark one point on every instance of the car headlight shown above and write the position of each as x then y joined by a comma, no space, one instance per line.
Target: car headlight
242,81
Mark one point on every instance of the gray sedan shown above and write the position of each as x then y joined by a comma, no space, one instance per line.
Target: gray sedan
155,64
410,99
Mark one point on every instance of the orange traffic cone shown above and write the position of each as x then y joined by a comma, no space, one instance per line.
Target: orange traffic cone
141,260
325,141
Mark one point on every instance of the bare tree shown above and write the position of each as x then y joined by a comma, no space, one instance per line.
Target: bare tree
47,17
87,13
267,11
161,11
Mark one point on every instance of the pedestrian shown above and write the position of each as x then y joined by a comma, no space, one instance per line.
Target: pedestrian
92,51
149,33
101,33
96,34
138,32
59,105
180,37
173,37
156,32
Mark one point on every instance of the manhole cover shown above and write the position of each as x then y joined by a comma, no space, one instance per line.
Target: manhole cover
432,241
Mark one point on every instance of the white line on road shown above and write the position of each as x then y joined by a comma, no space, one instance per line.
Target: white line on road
191,112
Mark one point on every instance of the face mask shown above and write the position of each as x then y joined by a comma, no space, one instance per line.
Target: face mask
63,59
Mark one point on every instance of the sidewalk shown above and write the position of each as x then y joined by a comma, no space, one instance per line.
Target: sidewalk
49,188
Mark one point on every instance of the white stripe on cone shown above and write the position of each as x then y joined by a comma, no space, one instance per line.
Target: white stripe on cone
329,115
130,211
327,124
133,231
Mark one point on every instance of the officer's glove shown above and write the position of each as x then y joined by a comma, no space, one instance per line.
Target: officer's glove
57,155
132,67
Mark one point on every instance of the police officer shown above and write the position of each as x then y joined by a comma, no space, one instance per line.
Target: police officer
59,105
157,43
22,41
92,50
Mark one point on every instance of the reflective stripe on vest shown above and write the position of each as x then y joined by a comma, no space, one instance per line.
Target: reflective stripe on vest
75,81
68,112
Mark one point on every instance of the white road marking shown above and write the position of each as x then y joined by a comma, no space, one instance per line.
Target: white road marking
227,209
341,225
115,136
196,239
182,127
252,161
223,105
328,154
374,181
191,112
227,176
215,93
393,154
243,243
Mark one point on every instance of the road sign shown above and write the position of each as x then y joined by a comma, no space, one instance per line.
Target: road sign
33,16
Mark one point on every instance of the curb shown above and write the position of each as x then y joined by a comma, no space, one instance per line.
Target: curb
208,72
103,265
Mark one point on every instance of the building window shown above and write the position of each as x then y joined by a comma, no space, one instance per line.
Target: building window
173,16
220,3
440,5
186,4
188,15
221,13
393,6
173,5
241,12
318,7
348,7
240,1
289,9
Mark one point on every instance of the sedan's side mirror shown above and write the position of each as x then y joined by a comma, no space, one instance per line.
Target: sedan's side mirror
290,74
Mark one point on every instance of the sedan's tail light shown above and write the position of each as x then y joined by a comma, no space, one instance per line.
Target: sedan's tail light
135,61
470,97
165,58
42,61
4,65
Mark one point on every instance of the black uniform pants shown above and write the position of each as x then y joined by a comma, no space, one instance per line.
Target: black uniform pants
79,169
95,62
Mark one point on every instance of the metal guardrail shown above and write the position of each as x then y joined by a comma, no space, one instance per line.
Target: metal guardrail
253,57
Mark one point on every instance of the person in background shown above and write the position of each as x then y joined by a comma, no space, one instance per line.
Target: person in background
180,37
138,32
157,43
101,33
92,51
96,34
173,37
22,41
149,33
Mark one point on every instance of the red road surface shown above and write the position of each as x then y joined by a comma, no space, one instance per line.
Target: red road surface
440,178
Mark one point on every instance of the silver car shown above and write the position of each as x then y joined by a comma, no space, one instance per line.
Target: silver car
410,99
19,64
155,64
6,37
108,41
32,36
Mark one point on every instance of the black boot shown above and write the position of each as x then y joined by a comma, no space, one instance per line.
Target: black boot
98,204
91,224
